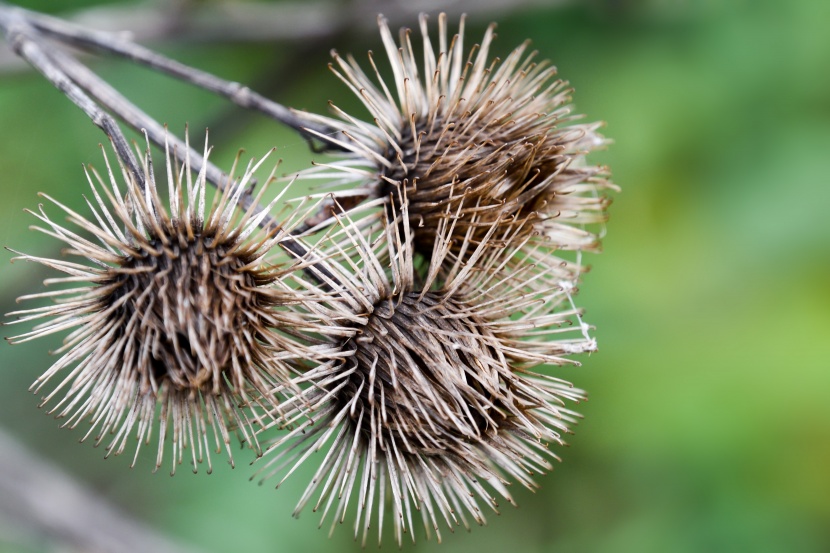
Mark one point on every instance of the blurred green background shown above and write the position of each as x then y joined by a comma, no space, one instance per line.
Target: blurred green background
708,425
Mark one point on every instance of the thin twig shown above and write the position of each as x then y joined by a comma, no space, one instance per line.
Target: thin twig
85,88
113,44
20,37
128,112
140,121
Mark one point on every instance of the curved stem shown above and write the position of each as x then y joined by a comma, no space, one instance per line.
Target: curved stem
21,38
94,96
235,92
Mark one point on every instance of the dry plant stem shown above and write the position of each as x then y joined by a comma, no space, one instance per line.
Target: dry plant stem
84,88
114,101
73,78
39,503
109,43
21,38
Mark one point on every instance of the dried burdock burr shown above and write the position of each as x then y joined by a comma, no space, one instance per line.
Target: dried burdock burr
441,395
465,134
171,312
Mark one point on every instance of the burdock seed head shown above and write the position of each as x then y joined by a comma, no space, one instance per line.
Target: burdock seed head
460,131
171,313
433,403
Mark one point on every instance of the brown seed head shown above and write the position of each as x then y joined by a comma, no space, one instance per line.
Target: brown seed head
431,364
431,400
175,311
464,135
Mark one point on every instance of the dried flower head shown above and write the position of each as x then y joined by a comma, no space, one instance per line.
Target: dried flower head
171,309
464,134
433,399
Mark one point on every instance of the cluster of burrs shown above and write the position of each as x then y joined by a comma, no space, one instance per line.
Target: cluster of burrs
398,328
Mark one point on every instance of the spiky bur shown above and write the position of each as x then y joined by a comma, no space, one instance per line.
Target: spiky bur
436,400
464,134
172,313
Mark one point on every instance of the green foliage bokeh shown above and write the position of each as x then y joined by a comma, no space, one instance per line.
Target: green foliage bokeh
708,425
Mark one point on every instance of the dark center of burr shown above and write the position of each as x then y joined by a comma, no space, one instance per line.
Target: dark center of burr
425,375
191,309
